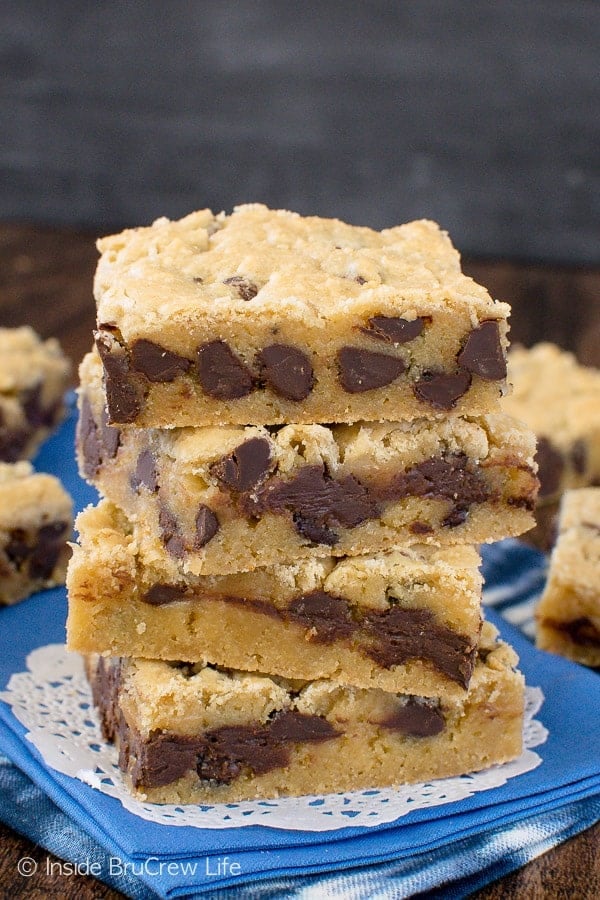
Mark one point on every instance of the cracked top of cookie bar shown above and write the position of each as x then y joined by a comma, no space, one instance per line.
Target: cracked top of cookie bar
258,262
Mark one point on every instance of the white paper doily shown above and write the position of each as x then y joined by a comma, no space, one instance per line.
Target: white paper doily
53,701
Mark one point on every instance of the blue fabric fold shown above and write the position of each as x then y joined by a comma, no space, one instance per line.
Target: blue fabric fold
466,843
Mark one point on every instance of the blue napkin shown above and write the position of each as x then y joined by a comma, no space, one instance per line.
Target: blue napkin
506,825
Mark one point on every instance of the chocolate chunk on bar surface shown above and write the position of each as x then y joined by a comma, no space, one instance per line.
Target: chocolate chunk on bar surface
266,317
36,521
233,498
559,400
568,614
197,733
34,376
407,620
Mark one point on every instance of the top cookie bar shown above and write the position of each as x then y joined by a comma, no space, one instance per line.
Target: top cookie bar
265,317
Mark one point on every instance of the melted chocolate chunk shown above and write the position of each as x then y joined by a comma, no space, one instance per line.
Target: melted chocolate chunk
124,394
162,758
50,542
156,363
395,330
145,474
327,617
222,754
551,466
420,528
207,526
221,374
482,353
578,456
417,718
391,636
581,631
96,443
111,436
17,548
88,440
362,370
318,503
248,465
287,371
105,694
245,288
13,443
400,634
169,532
40,551
38,415
162,594
442,390
447,478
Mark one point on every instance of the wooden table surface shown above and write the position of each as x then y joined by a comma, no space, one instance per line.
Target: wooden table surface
46,281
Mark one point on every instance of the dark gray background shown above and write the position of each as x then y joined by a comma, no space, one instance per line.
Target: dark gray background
482,115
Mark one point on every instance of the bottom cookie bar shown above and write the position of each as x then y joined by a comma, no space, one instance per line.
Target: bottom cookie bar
36,521
568,614
201,734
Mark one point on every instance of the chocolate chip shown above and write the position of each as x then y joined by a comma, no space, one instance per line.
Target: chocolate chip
245,288
156,363
482,353
145,474
169,532
550,467
124,395
207,526
360,280
287,371
578,456
442,390
246,466
362,370
162,594
395,330
221,374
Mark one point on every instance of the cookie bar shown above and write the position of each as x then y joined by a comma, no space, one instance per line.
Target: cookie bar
200,734
568,614
36,521
408,620
560,401
34,375
265,317
218,500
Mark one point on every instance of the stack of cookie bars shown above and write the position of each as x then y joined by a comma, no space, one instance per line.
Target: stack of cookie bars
295,427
